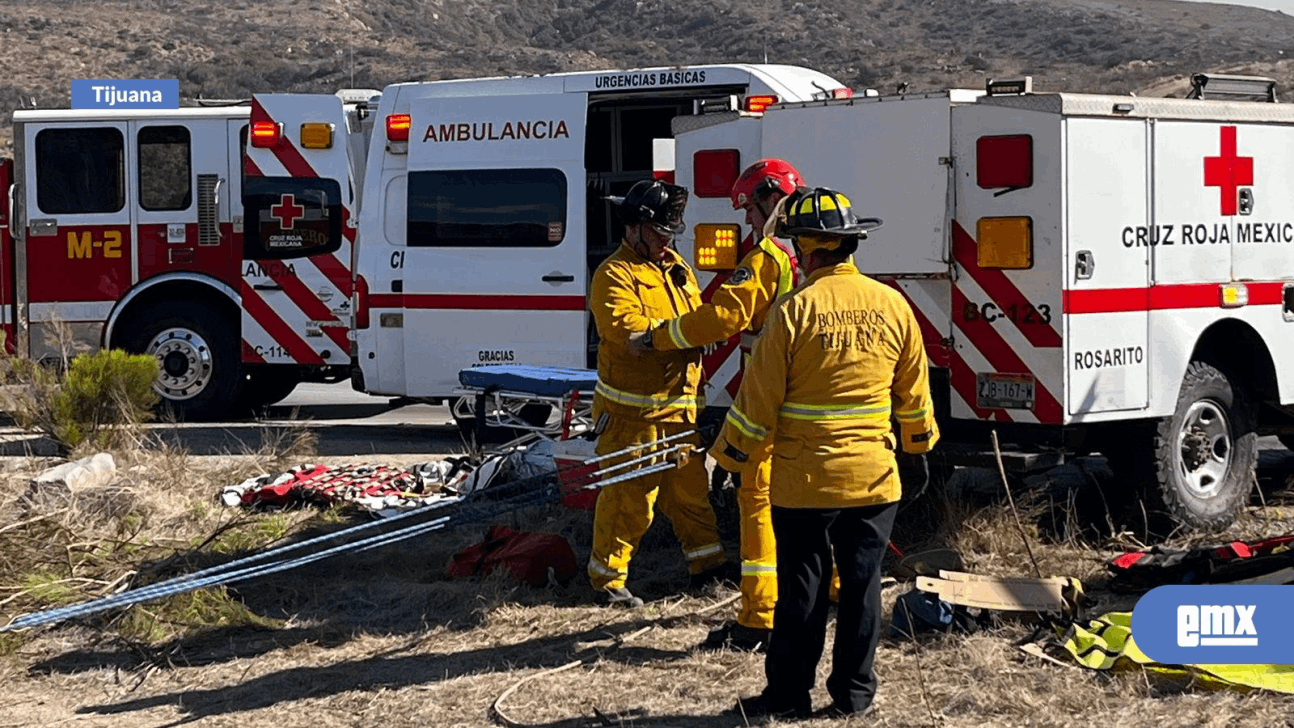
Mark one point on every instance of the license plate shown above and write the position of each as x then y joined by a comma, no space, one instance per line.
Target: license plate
1004,391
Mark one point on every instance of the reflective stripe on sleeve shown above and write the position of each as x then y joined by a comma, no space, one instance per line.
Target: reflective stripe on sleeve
675,331
703,551
818,412
756,568
739,420
645,400
915,415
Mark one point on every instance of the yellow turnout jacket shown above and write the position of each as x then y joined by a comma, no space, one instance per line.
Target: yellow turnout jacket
630,295
836,359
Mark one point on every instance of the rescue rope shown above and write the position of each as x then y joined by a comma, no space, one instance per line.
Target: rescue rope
476,507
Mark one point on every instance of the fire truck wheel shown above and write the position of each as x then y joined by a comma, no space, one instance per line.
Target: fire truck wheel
197,351
1205,454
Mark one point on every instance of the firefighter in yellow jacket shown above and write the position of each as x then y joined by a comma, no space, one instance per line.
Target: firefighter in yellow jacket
766,272
836,358
640,399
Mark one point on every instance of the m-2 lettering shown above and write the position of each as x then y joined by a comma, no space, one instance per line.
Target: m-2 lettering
83,245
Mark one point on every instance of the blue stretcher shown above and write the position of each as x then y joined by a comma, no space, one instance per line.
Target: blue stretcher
527,379
496,395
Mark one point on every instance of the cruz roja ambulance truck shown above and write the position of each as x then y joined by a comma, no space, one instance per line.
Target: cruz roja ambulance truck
1090,272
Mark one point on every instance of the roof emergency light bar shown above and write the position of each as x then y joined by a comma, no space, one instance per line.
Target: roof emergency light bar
716,105
1009,86
359,95
1241,88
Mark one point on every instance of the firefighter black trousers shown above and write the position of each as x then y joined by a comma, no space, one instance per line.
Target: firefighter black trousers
806,539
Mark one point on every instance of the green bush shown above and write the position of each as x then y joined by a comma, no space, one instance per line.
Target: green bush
94,402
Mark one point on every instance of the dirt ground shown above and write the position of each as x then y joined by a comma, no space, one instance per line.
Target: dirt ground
384,638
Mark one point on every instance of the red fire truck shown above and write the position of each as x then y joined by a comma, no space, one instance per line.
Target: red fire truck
125,229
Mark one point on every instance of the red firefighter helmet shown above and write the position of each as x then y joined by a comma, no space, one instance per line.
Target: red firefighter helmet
764,178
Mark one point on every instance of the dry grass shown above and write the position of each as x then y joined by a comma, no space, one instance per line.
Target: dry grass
382,638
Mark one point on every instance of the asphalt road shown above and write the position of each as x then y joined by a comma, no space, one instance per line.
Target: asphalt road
344,423
348,423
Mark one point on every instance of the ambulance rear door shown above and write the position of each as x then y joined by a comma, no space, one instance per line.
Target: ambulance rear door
710,151
492,245
890,158
298,198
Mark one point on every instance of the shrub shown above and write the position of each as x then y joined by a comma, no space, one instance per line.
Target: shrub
94,402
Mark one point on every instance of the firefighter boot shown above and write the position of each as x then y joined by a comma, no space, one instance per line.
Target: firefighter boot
737,636
764,705
618,597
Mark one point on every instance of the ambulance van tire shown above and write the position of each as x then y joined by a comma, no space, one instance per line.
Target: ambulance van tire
197,348
265,386
1202,459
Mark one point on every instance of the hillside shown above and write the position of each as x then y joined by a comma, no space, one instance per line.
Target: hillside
232,48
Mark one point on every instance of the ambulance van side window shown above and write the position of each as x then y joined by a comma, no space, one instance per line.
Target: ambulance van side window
487,208
165,171
80,171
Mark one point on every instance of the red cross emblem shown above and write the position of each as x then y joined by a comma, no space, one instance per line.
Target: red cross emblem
1228,172
288,211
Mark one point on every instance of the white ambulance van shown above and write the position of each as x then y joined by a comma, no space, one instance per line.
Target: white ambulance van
483,211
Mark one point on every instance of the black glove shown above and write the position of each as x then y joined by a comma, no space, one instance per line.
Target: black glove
719,477
707,434
914,473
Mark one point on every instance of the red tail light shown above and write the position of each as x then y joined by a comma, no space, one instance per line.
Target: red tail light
1004,161
714,171
361,303
842,93
757,104
266,134
397,127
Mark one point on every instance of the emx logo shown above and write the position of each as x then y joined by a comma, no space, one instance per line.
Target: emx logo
1215,624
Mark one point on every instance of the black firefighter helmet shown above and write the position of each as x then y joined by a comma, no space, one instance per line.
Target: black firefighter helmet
652,201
